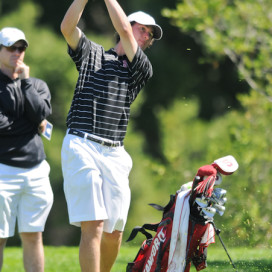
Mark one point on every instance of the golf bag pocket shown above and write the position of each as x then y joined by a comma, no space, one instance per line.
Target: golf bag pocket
138,263
199,258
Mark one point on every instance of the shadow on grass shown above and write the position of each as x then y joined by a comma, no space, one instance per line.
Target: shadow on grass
225,266
260,265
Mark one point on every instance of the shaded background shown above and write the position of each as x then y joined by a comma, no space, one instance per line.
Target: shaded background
196,108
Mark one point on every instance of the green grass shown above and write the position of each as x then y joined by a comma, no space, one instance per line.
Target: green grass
65,259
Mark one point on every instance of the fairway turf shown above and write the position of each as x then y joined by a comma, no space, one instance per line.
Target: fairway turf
65,259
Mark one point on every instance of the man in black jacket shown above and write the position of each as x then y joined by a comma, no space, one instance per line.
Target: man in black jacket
25,190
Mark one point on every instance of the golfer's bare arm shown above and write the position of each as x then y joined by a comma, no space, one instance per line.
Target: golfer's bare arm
122,27
69,23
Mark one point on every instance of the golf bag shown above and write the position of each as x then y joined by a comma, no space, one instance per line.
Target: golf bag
153,254
185,230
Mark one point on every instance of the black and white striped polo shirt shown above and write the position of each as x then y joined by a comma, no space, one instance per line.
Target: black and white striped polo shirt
106,87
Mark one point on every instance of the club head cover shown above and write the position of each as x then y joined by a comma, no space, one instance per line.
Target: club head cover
206,178
206,170
226,165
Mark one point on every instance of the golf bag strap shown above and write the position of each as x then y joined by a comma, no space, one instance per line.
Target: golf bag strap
143,229
156,206
164,208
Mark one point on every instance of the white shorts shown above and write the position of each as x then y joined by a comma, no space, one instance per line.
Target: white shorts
25,194
96,183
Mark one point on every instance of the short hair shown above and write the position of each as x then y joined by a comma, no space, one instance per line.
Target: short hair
117,37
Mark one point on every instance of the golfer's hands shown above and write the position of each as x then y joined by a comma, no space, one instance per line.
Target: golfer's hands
22,70
42,126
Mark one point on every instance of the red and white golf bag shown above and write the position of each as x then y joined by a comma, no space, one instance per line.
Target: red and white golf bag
185,231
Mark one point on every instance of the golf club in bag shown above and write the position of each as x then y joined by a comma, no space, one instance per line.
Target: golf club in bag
186,229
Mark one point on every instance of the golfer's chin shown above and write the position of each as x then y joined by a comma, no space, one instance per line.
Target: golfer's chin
143,46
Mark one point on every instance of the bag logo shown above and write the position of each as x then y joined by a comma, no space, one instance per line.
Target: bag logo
159,239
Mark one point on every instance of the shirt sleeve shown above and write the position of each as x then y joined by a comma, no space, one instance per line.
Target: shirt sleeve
23,105
82,52
5,121
37,99
141,72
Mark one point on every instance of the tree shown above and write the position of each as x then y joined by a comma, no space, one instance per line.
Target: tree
186,115
240,31
179,69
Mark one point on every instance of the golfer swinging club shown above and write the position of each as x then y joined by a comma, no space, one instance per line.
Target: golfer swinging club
95,164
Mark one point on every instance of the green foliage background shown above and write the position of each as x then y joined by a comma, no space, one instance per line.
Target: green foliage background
210,97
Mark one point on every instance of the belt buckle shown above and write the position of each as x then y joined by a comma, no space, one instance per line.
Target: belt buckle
109,144
116,144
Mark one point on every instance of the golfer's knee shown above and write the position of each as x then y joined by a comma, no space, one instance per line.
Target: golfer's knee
31,237
113,238
92,227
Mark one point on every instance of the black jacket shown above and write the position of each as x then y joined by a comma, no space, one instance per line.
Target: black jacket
23,105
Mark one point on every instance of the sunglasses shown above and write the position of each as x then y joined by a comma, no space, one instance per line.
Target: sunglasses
13,48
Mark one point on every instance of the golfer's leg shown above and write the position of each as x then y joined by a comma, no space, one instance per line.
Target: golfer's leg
33,253
3,242
89,248
110,246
